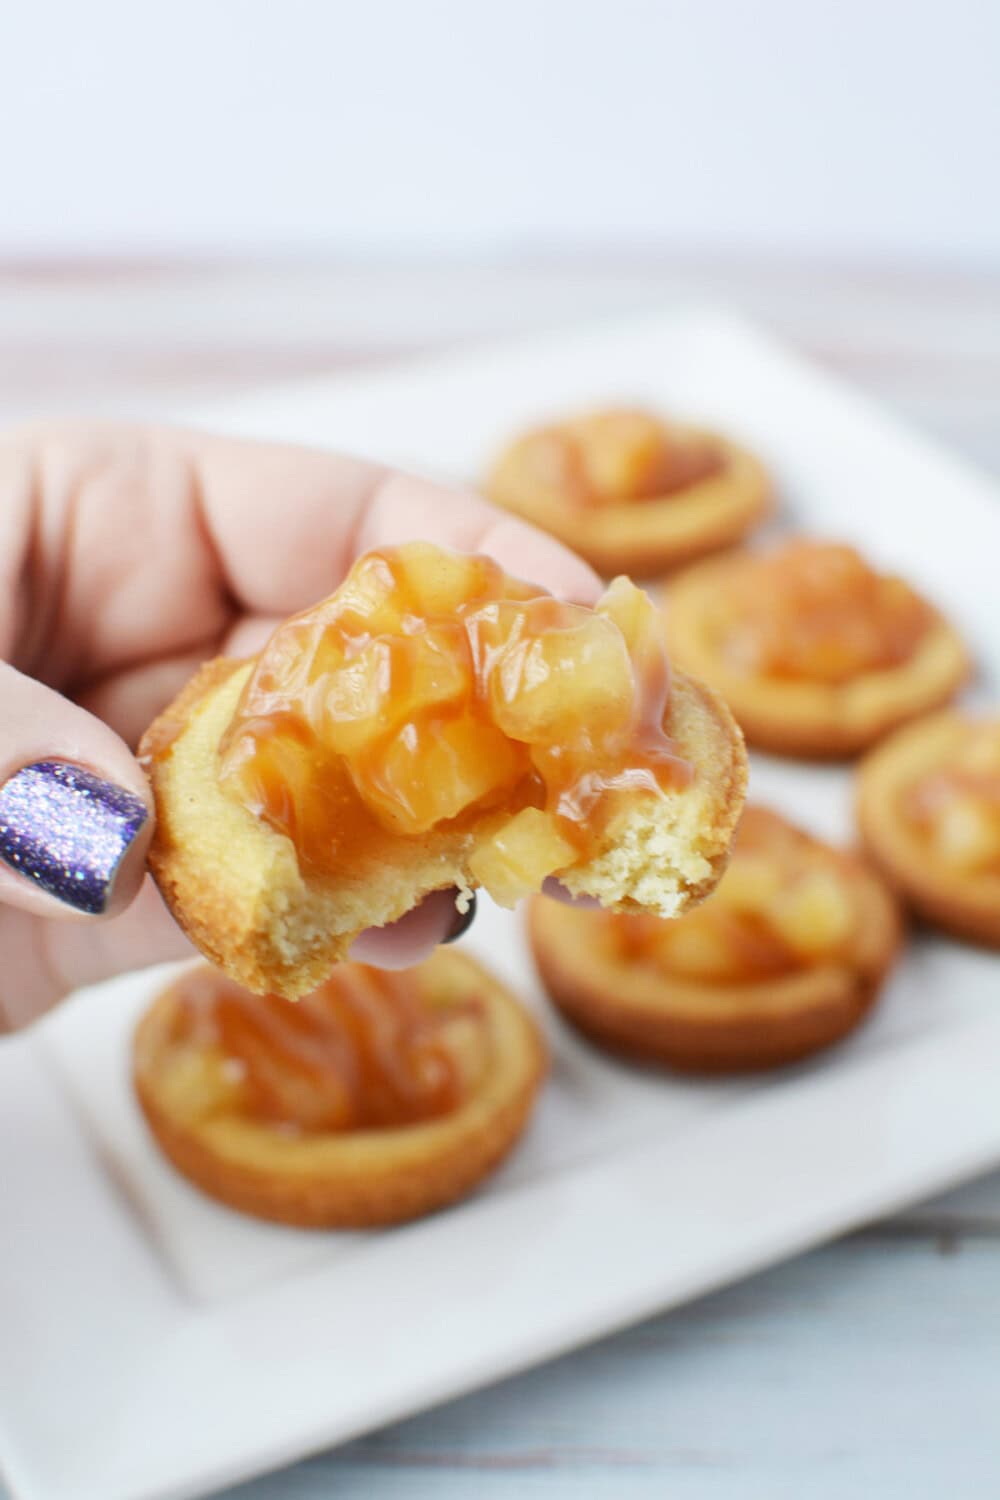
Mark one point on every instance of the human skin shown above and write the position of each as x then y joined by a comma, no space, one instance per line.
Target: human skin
129,555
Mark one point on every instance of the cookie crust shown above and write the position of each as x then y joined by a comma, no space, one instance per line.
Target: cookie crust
966,905
364,1178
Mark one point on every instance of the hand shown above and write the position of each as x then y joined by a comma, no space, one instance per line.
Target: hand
127,557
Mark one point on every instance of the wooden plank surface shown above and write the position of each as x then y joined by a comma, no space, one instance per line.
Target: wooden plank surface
868,1368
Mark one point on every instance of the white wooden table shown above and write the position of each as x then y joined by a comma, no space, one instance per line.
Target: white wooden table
869,1368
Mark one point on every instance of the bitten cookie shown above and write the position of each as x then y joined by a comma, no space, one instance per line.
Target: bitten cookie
434,724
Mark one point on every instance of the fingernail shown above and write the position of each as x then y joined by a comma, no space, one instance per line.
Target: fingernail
463,921
68,831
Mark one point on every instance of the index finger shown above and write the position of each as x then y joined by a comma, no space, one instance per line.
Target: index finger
287,522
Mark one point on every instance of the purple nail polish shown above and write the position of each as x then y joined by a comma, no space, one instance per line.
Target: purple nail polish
68,831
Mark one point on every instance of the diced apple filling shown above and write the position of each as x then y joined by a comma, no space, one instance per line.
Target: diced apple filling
614,457
957,805
817,611
431,685
196,1083
814,914
625,455
966,832
521,855
418,780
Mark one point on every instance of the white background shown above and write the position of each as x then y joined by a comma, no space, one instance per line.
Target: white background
827,127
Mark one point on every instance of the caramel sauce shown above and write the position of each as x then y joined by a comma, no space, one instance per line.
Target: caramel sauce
816,610
431,689
366,1051
783,905
618,457
955,806
733,947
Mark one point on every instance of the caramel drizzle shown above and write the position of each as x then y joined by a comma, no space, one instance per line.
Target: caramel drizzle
367,1050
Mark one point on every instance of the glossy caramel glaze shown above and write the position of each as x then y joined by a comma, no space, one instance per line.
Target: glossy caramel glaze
614,457
817,611
433,687
367,1050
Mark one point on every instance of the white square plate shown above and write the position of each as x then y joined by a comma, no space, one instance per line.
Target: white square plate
154,1345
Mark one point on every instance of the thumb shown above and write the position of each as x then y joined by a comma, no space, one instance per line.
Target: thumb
75,809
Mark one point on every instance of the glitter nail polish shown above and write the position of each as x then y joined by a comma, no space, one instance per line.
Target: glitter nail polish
68,831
